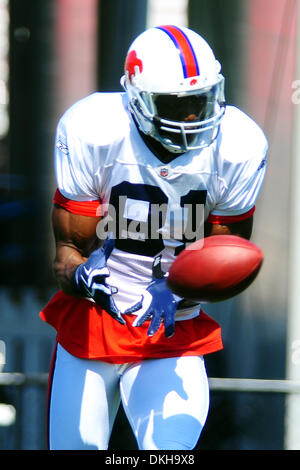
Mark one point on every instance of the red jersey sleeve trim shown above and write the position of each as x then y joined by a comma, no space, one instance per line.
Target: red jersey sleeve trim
224,219
88,208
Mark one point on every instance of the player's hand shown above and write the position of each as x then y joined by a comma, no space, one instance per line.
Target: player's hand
90,279
160,304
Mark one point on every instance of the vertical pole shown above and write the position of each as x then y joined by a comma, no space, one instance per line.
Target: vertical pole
292,417
30,139
119,23
221,31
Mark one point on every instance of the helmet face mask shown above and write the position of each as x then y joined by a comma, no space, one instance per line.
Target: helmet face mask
187,120
182,113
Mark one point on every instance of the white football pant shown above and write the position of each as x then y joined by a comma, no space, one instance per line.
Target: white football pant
166,402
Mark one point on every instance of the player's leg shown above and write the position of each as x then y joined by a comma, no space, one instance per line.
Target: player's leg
166,402
83,402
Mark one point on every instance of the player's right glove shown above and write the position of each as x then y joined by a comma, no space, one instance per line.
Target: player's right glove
162,308
161,304
90,279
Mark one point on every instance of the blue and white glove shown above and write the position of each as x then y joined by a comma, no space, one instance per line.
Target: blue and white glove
90,279
160,303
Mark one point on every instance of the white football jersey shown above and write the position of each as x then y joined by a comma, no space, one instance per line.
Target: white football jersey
152,208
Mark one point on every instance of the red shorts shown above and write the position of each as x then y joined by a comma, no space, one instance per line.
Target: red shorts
87,331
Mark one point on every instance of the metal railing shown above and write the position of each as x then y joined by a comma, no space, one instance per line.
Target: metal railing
216,384
27,383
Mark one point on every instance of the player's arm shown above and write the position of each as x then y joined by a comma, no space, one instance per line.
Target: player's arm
242,228
80,264
75,239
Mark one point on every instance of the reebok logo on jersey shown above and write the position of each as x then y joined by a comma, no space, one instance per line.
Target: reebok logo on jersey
63,147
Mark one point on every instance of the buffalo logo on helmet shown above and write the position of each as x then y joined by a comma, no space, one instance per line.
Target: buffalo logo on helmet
132,61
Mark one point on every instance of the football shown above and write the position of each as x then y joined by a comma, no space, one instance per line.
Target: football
215,268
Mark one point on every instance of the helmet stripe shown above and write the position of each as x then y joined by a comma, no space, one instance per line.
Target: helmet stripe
187,54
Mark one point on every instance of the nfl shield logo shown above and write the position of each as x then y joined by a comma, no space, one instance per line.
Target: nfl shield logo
164,172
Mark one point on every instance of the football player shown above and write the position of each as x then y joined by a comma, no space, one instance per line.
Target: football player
138,173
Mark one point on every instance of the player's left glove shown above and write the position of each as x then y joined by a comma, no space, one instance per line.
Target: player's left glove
160,304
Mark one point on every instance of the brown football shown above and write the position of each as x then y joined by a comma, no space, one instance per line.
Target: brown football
215,268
